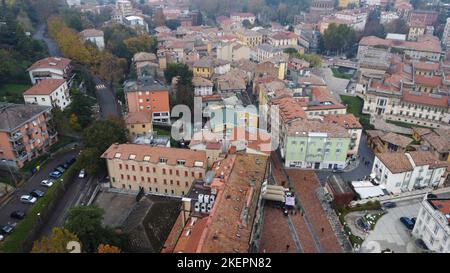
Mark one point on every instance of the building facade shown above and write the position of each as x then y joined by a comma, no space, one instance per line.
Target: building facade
154,170
26,131
49,92
433,224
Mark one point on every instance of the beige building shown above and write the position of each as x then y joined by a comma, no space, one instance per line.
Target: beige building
138,124
155,170
249,37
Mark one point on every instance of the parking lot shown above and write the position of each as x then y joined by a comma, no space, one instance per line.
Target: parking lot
390,233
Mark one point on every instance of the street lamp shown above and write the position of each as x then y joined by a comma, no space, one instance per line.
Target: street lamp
12,175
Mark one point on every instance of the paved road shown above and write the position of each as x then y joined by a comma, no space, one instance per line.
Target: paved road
109,105
41,35
33,183
359,172
71,198
390,233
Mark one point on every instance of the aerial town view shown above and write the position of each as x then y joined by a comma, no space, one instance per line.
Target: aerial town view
224,126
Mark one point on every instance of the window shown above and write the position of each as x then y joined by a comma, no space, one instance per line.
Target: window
121,176
132,167
177,172
141,168
181,162
187,184
170,171
120,166
134,177
162,160
165,182
148,169
164,171
155,180
178,183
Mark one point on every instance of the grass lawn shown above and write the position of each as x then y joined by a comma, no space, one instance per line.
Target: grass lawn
354,106
12,92
342,75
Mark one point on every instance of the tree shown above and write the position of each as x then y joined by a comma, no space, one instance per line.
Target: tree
86,223
141,43
108,249
246,23
55,243
90,160
102,133
74,122
338,38
159,19
81,108
112,68
173,24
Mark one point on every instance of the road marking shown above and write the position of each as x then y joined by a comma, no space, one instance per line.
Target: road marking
100,86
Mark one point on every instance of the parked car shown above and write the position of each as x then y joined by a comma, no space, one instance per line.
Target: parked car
55,174
82,174
37,193
407,222
2,238
47,183
414,220
28,199
6,229
60,168
18,214
389,205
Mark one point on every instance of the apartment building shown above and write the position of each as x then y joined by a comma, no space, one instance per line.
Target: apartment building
354,129
402,172
242,16
426,47
148,95
416,29
249,38
206,67
202,86
266,51
283,39
51,68
26,131
233,52
138,124
433,223
446,36
394,102
315,144
49,92
354,18
155,170
232,189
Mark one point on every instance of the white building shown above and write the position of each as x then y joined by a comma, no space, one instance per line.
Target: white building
136,22
202,86
239,17
266,51
72,3
433,224
446,35
403,172
94,36
387,17
124,7
49,92
50,68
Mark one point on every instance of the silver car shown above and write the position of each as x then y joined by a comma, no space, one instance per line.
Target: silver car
28,199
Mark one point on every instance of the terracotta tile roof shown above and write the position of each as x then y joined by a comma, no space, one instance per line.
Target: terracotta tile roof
138,117
421,131
91,32
303,127
259,141
395,162
230,223
51,62
321,99
434,81
199,81
426,66
123,152
348,121
439,143
45,87
283,35
427,43
289,109
442,205
242,14
422,158
396,139
374,133
425,98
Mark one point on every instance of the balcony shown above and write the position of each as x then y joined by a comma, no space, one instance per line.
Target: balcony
23,156
18,146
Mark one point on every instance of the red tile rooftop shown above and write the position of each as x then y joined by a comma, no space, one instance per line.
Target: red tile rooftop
45,87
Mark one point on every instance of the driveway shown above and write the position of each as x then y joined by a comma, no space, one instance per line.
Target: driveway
109,106
390,233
